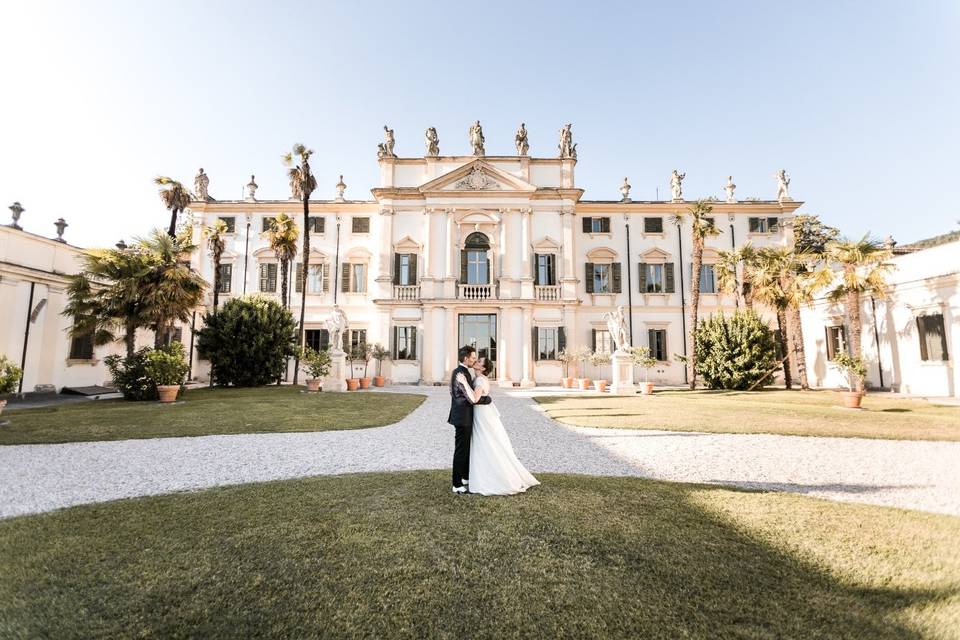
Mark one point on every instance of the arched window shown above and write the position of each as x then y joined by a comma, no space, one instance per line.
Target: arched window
475,260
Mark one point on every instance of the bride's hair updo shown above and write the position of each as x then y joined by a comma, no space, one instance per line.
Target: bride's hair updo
487,366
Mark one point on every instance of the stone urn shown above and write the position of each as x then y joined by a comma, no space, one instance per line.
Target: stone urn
353,384
313,385
583,383
364,383
852,399
379,381
646,388
168,392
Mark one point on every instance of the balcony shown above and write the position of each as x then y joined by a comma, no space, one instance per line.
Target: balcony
546,293
406,292
476,291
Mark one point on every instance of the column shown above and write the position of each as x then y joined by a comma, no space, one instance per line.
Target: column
504,344
568,256
526,270
504,244
386,244
426,347
449,341
526,332
450,269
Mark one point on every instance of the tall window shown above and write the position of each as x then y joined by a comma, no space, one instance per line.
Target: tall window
546,269
596,225
361,225
657,341
404,343
231,223
653,278
317,339
602,341
474,260
707,281
317,224
405,269
318,278
547,342
267,223
836,341
653,225
268,277
353,338
601,278
933,339
226,278
81,347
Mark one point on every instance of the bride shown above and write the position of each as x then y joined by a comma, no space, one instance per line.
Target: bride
494,468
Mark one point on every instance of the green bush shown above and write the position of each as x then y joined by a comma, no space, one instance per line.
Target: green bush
9,375
130,375
167,366
734,352
248,341
316,363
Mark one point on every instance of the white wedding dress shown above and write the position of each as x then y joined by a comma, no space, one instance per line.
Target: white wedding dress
494,467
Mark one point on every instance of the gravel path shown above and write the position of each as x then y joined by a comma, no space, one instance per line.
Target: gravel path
915,475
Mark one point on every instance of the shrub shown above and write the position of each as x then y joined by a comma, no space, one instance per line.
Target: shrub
854,369
316,363
248,341
734,352
9,375
641,357
167,366
130,377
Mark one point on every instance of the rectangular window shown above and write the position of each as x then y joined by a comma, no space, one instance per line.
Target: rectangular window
477,272
546,269
653,225
361,225
601,278
231,223
547,343
358,337
707,281
317,224
654,278
317,339
602,341
81,347
268,277
404,275
318,276
657,341
405,343
358,278
600,225
267,223
836,341
758,225
226,278
933,338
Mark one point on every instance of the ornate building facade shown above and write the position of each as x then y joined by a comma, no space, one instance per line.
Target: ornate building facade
502,252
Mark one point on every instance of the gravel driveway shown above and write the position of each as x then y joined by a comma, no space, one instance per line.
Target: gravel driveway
914,475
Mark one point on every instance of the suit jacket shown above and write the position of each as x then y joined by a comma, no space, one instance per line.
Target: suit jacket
461,409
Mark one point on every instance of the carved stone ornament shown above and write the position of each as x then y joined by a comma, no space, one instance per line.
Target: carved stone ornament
477,180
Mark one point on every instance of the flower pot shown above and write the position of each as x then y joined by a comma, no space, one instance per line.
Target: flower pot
364,383
852,399
566,383
353,384
601,385
168,392
379,381
313,384
584,383
646,388
3,403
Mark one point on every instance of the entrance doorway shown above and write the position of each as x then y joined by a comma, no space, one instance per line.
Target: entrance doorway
480,332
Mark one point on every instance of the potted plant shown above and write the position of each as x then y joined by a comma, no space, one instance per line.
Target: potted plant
364,351
9,378
317,364
380,353
641,357
599,359
166,368
855,370
566,358
580,356
355,356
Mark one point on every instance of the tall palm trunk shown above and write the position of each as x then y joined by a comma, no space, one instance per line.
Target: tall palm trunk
284,269
782,326
798,349
130,338
216,279
747,291
853,311
303,289
172,231
697,260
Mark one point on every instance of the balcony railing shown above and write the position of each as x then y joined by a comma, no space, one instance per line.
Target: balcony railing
547,293
476,291
406,292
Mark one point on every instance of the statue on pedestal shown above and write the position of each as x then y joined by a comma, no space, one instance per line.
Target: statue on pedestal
200,184
783,183
340,187
729,188
252,189
433,143
336,324
567,148
676,185
617,326
521,140
385,148
477,139
625,191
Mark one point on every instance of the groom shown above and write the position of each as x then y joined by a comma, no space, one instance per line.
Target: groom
461,417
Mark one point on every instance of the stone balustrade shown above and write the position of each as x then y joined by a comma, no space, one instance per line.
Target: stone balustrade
406,292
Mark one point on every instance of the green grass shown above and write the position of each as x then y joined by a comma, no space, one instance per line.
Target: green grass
795,413
396,555
208,412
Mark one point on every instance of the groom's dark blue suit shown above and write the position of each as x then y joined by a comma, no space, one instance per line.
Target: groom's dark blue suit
461,417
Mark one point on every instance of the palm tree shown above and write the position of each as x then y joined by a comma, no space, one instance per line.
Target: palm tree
701,226
863,268
726,269
176,198
283,235
771,274
171,290
216,243
303,184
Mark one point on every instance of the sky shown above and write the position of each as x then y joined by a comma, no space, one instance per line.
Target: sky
858,101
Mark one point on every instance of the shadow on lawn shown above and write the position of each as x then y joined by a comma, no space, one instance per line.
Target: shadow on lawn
380,554
792,487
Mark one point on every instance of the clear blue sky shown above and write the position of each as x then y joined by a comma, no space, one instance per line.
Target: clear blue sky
857,100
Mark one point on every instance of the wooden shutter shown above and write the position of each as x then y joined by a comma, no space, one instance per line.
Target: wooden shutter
643,277
489,275
552,261
536,270
346,343
754,224
830,350
413,343
326,277
668,279
593,340
561,339
587,225
463,266
413,268
773,224
922,332
345,277
605,225
396,268
393,343
615,269
589,273
535,341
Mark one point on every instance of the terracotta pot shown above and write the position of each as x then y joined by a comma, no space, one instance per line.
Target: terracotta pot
584,383
601,385
379,381
168,392
852,399
313,385
566,383
646,388
3,403
364,383
353,384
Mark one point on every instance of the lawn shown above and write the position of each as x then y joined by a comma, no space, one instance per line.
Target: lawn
396,555
208,412
794,413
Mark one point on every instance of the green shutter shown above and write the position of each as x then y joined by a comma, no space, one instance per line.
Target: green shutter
921,331
298,286
463,266
587,225
773,224
589,277
830,351
413,268
535,341
413,343
345,277
561,339
536,270
593,340
754,224
346,345
615,268
393,342
326,276
396,268
552,261
643,277
669,286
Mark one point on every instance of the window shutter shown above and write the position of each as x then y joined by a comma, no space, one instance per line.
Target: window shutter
615,268
346,342
489,275
298,277
326,276
463,267
593,340
536,270
605,225
587,225
938,322
921,331
534,340
345,278
396,268
830,352
773,224
589,279
669,286
413,344
413,268
561,339
553,268
324,339
393,342
643,277
754,224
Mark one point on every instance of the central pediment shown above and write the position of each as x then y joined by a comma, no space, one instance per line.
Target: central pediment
477,176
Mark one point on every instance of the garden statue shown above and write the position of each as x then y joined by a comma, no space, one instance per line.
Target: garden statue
617,326
521,140
336,324
433,143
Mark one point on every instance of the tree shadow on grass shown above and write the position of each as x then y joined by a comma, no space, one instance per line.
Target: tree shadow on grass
395,555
